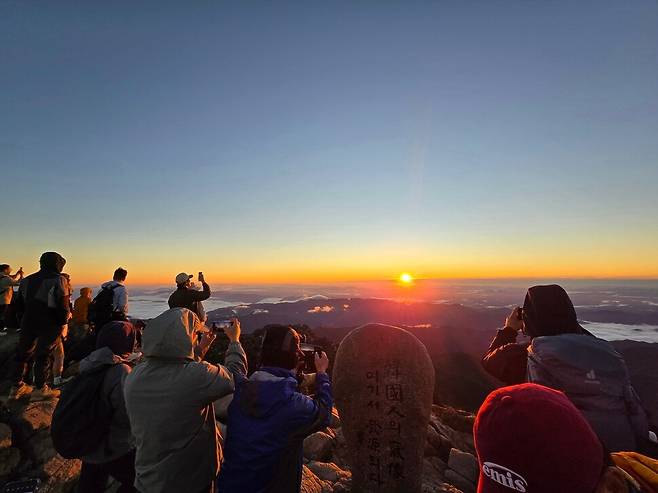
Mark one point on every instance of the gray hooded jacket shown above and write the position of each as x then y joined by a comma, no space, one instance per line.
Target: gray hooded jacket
170,398
119,440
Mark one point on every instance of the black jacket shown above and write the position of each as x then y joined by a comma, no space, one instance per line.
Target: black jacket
44,298
190,298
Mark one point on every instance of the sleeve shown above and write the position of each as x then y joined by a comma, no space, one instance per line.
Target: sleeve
121,299
201,295
218,378
311,415
63,300
19,301
117,401
505,359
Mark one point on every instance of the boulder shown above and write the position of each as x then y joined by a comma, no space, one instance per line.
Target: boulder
383,386
9,459
465,464
335,419
328,471
318,446
5,436
312,484
459,481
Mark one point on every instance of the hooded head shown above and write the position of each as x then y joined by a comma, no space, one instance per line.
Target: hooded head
172,334
52,261
532,438
118,336
547,311
85,292
281,347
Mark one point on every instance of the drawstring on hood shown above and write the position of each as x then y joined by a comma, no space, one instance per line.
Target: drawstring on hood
548,311
52,261
171,334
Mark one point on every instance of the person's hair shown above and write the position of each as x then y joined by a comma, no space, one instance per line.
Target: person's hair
120,274
280,346
84,291
4,267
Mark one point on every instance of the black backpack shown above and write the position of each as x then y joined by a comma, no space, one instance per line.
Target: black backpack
82,417
101,308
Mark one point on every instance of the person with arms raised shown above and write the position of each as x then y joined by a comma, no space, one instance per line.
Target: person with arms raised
186,296
7,283
269,418
169,398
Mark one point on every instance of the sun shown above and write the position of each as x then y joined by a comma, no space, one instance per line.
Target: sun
406,278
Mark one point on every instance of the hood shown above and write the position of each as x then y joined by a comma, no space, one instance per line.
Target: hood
548,311
110,284
267,390
171,334
52,262
100,357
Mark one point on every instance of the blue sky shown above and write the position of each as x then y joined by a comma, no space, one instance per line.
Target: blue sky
274,139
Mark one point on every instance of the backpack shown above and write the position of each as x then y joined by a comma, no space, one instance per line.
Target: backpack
102,306
82,417
595,378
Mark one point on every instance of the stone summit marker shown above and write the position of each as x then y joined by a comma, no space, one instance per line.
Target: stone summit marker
383,381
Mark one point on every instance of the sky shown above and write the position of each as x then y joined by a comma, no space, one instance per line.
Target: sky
331,141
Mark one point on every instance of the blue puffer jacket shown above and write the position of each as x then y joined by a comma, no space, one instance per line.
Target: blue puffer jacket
267,423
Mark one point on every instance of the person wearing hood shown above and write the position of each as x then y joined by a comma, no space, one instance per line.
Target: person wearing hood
169,398
43,307
120,294
547,311
115,456
269,418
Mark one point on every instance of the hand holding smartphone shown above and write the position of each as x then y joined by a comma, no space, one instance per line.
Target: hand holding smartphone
201,278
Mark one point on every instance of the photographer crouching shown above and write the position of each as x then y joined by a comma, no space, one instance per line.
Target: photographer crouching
269,418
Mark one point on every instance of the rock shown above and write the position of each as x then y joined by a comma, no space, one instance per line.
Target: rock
456,419
435,444
383,386
33,417
328,471
318,446
9,459
62,474
433,469
459,481
5,436
335,419
465,464
312,484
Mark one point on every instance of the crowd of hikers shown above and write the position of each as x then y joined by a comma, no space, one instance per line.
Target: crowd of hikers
141,406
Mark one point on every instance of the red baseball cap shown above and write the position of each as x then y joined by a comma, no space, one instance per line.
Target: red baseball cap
530,438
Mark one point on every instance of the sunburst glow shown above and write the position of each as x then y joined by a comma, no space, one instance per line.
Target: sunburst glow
406,278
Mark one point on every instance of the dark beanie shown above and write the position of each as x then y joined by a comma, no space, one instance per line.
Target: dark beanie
119,336
548,310
279,348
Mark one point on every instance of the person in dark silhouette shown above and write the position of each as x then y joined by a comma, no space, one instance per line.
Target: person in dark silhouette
547,310
43,306
269,418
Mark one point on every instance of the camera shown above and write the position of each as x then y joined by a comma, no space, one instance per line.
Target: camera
309,351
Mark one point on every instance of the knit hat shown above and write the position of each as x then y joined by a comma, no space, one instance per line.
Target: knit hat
119,336
548,310
530,438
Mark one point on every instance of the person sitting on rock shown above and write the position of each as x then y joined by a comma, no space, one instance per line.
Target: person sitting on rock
116,455
530,438
187,297
268,419
169,398
43,306
547,311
